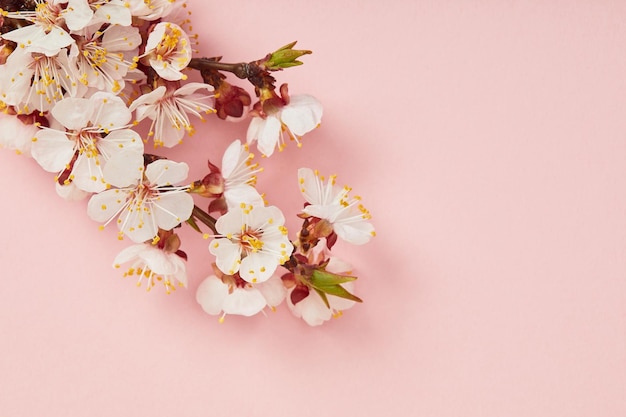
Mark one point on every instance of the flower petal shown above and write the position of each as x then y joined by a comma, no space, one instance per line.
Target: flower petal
227,255
52,150
110,112
143,104
87,172
302,114
261,217
73,113
266,132
247,194
191,88
120,140
230,222
309,186
165,172
77,14
244,302
116,15
231,158
312,309
123,169
171,209
273,290
211,294
357,233
105,205
128,254
258,267
139,225
70,192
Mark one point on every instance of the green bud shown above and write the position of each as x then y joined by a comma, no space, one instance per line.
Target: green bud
284,57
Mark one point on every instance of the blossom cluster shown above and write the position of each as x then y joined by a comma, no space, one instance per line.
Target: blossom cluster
86,86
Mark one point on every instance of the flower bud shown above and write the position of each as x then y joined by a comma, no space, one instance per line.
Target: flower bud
211,186
231,101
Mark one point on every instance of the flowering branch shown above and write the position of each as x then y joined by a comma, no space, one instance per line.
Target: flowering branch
86,85
283,57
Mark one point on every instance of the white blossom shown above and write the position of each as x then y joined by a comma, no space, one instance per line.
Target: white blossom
252,240
152,9
103,58
332,203
16,135
168,108
299,116
232,295
94,132
142,202
31,81
46,34
168,51
154,265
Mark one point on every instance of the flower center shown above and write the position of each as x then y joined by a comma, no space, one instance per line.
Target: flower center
46,15
250,241
143,193
86,142
143,272
171,42
234,281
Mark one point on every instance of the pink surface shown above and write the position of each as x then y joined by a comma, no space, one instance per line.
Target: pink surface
487,138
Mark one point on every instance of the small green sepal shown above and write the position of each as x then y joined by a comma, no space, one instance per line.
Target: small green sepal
192,222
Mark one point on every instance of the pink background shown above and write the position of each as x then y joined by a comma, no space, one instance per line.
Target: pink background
487,138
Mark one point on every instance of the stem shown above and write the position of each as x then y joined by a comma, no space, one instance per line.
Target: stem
241,69
254,71
204,217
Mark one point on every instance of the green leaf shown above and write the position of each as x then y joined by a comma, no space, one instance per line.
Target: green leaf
324,298
320,277
339,291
